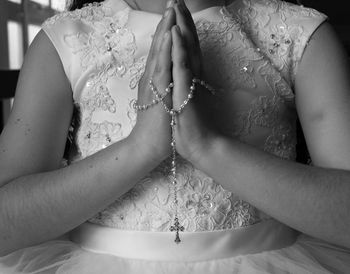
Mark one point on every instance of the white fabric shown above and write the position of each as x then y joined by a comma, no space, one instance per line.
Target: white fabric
194,246
254,48
251,52
306,256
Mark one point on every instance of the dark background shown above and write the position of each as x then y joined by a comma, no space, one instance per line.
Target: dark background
338,16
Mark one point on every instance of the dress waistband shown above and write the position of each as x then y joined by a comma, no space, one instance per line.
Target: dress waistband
194,246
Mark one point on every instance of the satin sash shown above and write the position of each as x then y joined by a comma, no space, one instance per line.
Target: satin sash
194,246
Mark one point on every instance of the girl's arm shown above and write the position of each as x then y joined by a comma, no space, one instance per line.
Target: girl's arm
38,200
314,200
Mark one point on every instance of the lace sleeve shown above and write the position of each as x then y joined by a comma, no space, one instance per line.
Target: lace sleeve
307,20
280,29
55,29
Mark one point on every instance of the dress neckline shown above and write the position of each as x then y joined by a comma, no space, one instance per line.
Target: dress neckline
195,15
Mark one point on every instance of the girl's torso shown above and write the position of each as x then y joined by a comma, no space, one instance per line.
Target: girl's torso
250,50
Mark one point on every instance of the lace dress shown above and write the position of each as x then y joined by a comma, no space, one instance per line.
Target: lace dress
255,48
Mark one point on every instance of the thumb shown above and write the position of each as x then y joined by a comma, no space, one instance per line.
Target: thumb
182,74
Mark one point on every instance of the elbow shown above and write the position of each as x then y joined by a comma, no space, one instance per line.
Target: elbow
8,243
344,242
4,252
6,247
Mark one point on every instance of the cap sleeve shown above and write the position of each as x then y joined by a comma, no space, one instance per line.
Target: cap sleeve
281,30
56,28
307,20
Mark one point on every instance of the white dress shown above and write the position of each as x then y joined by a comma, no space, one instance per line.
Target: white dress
251,52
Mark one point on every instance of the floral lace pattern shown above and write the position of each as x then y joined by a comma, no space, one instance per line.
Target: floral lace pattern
203,204
109,51
93,136
275,27
218,42
254,47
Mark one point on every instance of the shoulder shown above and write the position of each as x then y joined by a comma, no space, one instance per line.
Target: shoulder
88,14
83,35
269,11
281,29
93,19
92,14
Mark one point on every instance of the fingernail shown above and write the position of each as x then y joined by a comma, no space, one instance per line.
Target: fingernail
169,3
177,29
166,34
166,13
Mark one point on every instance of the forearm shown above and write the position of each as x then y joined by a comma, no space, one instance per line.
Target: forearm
43,206
310,199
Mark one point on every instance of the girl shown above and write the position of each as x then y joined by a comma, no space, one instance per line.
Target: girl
183,142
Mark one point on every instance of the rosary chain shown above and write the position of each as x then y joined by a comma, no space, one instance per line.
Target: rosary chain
159,98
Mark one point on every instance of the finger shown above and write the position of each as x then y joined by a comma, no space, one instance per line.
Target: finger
168,21
188,16
170,3
182,73
185,22
162,76
160,30
165,24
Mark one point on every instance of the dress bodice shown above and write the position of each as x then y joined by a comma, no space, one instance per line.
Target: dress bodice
251,50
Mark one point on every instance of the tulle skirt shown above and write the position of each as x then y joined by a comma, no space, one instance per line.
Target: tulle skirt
263,248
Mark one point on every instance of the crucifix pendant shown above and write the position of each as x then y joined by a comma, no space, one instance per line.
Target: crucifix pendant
177,227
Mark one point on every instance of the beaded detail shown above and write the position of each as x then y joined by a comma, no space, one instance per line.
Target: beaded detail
250,54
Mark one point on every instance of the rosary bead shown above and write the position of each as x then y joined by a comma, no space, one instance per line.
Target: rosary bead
158,97
173,112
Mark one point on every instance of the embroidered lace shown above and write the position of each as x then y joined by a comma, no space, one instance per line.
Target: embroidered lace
255,52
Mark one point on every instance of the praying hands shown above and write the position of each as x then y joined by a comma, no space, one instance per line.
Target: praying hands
280,188
172,80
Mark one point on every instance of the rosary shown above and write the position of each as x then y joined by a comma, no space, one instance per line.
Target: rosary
159,98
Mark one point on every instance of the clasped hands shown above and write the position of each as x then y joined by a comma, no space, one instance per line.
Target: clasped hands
175,56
